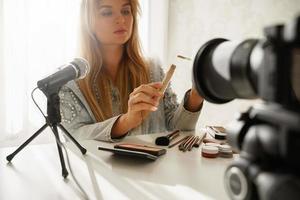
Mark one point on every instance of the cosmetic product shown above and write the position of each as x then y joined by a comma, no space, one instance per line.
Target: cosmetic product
165,140
167,78
209,151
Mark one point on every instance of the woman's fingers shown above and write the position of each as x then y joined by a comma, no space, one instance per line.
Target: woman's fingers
151,89
144,98
142,106
156,85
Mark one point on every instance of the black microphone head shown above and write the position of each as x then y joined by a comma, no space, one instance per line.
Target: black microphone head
81,67
77,69
162,141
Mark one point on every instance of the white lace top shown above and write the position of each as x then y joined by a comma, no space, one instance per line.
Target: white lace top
79,120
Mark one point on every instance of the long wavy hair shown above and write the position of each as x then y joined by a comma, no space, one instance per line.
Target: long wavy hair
133,70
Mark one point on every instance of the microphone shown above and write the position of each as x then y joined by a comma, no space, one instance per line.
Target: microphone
77,69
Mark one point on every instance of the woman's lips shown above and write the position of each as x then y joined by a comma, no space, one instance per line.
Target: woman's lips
121,31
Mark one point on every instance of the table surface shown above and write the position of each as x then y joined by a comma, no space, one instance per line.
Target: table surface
35,173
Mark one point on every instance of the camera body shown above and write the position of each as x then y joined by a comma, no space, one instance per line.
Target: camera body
268,134
268,167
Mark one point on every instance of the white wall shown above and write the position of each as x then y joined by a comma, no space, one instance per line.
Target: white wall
154,28
2,106
193,22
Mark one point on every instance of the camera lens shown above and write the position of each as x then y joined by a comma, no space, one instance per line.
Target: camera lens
296,73
236,183
222,70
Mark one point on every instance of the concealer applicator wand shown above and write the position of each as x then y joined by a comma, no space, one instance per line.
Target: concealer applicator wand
165,140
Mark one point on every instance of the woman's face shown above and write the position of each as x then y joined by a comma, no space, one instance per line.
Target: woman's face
114,21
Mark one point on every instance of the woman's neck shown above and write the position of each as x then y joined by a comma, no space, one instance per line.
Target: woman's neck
112,56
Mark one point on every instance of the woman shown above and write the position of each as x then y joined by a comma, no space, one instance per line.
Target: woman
120,95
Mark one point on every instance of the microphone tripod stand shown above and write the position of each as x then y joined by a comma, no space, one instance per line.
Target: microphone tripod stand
53,120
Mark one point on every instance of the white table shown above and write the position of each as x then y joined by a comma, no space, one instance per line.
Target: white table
35,173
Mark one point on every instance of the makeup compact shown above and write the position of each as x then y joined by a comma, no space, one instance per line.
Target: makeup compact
216,132
225,151
210,151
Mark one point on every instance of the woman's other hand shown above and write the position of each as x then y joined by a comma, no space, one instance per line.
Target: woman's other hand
194,102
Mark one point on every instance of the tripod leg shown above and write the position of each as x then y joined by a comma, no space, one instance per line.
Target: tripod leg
83,150
11,156
61,156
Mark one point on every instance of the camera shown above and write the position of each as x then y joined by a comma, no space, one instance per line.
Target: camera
268,134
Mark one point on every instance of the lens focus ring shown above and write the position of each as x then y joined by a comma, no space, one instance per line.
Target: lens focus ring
236,183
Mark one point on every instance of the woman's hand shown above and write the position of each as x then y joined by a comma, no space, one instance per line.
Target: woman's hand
195,101
143,100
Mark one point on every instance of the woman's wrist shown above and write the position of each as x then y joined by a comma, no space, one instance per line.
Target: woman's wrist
122,126
127,122
195,96
194,101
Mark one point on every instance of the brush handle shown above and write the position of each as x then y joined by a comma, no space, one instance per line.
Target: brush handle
167,78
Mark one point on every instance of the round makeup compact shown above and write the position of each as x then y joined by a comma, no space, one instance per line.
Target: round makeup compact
210,151
220,136
225,151
212,144
212,140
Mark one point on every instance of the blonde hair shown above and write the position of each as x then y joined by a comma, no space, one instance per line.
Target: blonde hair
132,72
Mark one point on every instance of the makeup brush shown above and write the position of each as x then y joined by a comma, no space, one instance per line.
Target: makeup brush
167,78
165,140
183,57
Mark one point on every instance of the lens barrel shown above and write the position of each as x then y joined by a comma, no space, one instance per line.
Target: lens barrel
222,70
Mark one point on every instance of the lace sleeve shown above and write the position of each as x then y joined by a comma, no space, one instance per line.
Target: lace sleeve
79,122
